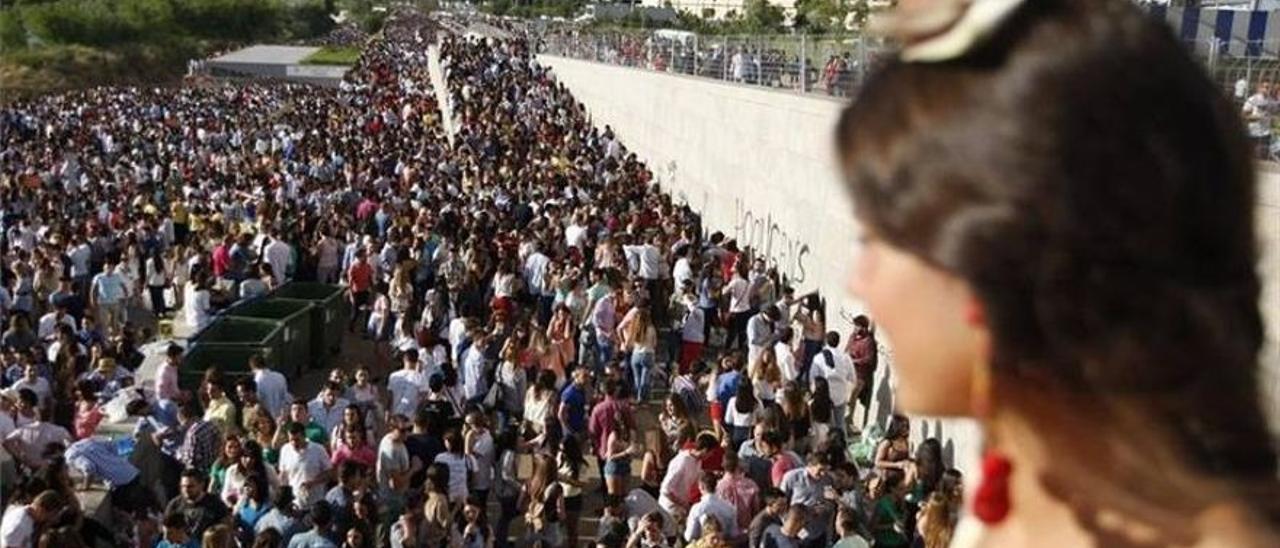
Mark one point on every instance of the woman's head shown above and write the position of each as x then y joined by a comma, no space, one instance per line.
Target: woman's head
1064,214
255,488
676,407
352,417
231,449
438,478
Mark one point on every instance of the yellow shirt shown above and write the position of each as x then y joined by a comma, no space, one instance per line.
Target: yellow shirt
222,413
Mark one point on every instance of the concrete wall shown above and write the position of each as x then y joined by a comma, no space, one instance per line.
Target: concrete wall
759,165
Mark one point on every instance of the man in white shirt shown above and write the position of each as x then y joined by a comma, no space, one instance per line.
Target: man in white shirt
29,442
80,255
575,235
304,465
647,259
1258,111
393,466
692,332
474,385
277,254
761,332
535,269
739,291
273,388
107,295
18,528
47,329
407,385
836,367
786,356
682,472
711,506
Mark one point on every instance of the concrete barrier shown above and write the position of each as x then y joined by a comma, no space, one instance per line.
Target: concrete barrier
759,165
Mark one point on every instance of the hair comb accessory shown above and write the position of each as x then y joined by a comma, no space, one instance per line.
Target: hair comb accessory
940,30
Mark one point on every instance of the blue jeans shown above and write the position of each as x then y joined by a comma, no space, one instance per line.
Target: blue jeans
641,363
604,351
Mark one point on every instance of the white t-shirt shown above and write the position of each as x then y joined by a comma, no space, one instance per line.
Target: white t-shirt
457,474
575,236
1258,109
298,467
839,375
737,418
786,361
17,528
739,292
392,458
273,390
197,306
482,456
406,387
277,254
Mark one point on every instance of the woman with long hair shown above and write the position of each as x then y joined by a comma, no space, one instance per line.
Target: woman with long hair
796,422
437,514
254,502
474,528
232,448
251,463
813,328
571,471
894,451
540,403
766,377
1058,233
741,413
675,420
640,338
262,428
821,412
543,500
158,279
560,334
507,484
618,454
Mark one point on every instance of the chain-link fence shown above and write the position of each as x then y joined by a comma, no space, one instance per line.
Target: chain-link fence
1238,66
828,65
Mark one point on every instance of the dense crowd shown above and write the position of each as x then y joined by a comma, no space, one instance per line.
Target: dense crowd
556,337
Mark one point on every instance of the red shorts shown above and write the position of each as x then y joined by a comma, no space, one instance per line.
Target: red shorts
717,412
689,352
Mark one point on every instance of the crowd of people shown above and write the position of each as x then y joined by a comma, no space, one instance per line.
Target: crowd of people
535,297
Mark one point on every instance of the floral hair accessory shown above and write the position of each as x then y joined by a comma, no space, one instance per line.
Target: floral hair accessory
940,30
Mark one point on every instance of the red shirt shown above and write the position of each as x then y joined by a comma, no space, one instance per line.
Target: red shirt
221,260
601,423
360,277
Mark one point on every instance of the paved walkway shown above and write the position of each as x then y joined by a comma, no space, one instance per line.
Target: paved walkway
443,98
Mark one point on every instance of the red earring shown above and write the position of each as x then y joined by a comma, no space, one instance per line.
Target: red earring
991,502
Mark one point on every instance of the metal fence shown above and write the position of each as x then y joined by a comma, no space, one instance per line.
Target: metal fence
1237,64
831,66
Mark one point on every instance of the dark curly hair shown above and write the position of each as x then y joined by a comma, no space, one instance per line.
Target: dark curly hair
1079,171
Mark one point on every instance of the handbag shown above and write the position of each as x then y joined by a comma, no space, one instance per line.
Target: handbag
493,397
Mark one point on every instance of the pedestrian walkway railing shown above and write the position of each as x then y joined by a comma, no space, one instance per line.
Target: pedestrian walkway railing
825,65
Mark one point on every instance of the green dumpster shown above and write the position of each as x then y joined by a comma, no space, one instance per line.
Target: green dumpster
231,360
294,318
238,331
328,319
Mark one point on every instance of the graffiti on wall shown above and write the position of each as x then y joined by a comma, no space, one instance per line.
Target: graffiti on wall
782,248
